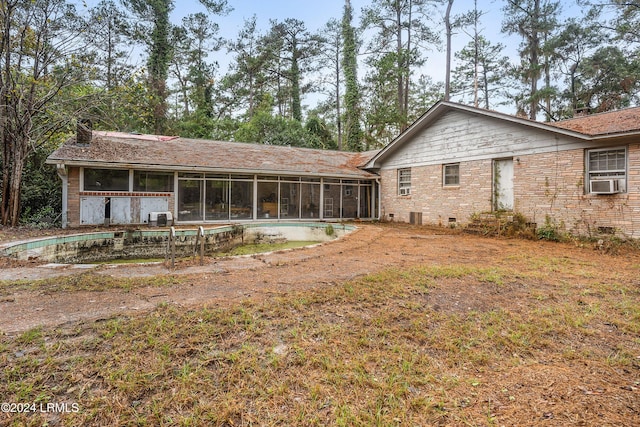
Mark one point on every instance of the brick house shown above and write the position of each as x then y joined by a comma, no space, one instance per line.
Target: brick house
456,161
580,175
120,178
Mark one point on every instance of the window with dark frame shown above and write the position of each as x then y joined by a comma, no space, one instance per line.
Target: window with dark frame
451,175
404,181
152,181
105,180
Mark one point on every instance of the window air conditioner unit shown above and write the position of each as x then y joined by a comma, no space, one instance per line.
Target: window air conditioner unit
405,191
606,186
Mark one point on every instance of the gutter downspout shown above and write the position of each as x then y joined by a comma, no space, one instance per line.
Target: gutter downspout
62,173
379,199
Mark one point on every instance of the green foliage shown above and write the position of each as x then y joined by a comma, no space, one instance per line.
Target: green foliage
534,21
328,230
551,231
199,125
352,115
242,88
41,192
155,31
127,107
382,116
318,128
480,70
265,128
398,31
609,79
45,70
292,42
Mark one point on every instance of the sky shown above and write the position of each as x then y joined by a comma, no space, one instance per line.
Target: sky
315,14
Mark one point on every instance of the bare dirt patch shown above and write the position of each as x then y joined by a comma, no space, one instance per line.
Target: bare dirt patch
451,329
369,249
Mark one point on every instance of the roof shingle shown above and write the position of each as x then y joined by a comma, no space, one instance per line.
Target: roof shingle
182,153
603,123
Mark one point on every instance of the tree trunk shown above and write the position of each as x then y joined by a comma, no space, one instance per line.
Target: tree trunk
6,179
400,63
15,188
338,112
535,61
296,107
447,23
476,59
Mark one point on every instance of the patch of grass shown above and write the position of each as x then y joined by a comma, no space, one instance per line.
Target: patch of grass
31,336
257,248
89,281
372,351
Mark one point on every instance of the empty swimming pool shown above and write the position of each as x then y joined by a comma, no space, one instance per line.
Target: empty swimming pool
153,243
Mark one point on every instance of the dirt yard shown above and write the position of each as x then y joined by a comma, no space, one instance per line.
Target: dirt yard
570,273
369,249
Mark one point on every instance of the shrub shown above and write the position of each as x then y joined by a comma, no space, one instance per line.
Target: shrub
550,231
329,231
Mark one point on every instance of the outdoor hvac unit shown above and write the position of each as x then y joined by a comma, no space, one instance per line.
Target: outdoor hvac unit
160,219
606,186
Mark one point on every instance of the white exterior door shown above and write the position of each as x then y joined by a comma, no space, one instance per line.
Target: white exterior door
503,184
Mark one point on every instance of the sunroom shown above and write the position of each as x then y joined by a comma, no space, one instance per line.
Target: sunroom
117,178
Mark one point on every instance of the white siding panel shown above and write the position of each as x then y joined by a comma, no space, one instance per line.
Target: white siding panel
152,204
460,136
91,210
120,210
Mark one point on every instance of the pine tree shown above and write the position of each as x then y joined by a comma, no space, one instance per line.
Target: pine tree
395,50
533,20
155,31
353,132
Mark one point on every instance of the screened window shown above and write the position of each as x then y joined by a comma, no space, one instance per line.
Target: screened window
152,181
451,175
607,170
106,180
404,181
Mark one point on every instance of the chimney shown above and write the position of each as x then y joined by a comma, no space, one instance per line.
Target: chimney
581,111
84,130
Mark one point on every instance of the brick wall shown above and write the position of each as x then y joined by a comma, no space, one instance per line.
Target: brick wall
438,203
551,186
547,187
73,197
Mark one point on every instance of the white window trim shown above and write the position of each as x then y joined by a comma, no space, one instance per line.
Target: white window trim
621,175
444,175
404,187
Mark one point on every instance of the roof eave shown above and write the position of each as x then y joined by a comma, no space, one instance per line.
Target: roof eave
202,169
618,137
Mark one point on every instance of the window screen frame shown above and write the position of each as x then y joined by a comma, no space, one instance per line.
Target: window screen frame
404,182
445,174
618,171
